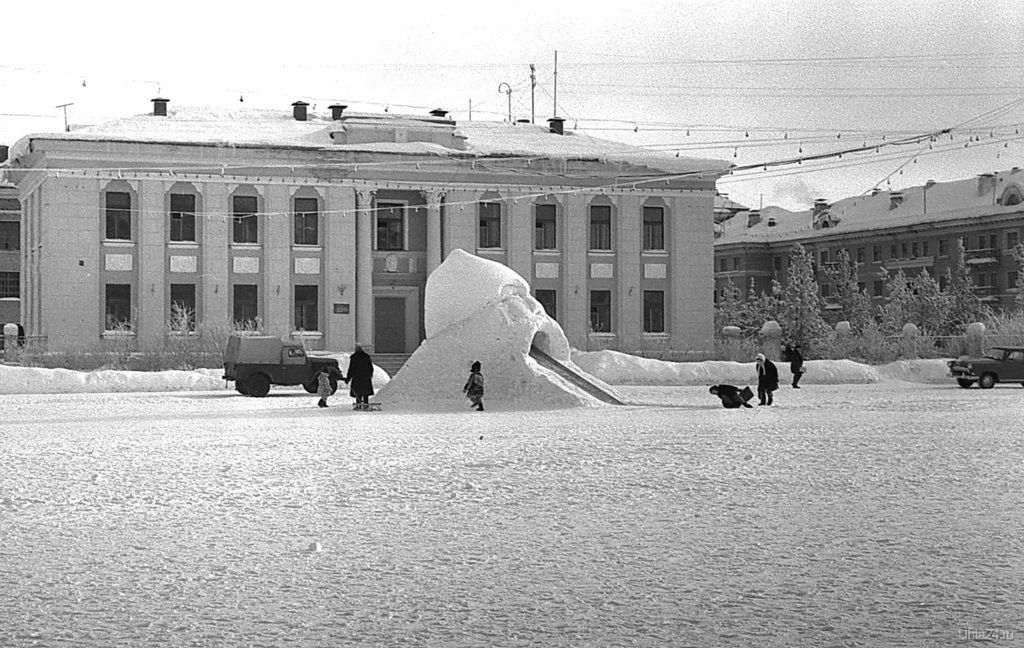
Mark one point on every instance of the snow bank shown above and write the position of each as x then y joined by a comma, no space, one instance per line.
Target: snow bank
480,310
621,369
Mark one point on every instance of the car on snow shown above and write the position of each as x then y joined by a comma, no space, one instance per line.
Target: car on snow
999,364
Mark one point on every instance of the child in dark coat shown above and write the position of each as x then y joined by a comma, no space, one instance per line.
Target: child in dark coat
732,397
474,388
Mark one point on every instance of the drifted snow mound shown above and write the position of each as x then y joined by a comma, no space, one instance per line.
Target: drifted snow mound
477,309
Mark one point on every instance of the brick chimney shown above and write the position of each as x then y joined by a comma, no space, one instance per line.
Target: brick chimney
160,106
986,183
555,125
895,199
336,110
753,218
299,110
820,205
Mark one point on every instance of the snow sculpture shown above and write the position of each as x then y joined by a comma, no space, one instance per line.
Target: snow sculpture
477,309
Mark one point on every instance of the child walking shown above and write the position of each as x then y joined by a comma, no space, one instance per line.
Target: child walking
474,388
323,386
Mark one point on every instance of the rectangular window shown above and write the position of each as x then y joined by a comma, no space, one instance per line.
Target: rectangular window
10,235
904,251
860,255
861,286
183,217
826,290
549,300
246,306
490,225
654,311
1011,279
246,223
118,307
546,238
600,227
878,288
876,254
893,254
943,282
777,264
1012,239
824,257
601,311
654,228
993,241
735,263
926,248
183,307
943,247
307,221
306,308
913,249
390,226
10,284
982,242
119,216
722,264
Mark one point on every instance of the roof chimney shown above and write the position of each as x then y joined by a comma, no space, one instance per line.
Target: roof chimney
895,199
438,112
875,191
3,153
820,205
986,181
929,184
336,110
555,125
753,217
299,110
771,222
160,106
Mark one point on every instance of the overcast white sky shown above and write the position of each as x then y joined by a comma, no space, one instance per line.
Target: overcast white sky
751,82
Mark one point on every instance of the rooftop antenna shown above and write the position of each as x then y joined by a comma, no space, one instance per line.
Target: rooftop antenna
509,93
67,129
554,111
533,84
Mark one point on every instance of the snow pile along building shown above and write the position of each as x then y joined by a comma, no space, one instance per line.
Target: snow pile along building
477,309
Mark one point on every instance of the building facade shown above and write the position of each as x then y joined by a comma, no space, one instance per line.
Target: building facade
913,230
326,228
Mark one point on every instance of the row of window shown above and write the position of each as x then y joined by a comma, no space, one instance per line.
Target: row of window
904,250
306,307
390,228
244,306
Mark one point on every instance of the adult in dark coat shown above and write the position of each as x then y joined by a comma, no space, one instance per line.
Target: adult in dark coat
731,396
360,375
796,364
767,379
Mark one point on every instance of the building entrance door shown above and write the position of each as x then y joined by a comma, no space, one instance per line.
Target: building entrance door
389,325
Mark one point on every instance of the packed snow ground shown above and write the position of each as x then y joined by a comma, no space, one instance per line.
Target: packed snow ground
612,367
883,514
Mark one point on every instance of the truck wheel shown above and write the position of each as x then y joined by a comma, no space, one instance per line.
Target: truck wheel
987,381
963,382
241,388
312,386
258,385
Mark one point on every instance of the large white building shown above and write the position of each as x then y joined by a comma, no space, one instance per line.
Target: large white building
326,226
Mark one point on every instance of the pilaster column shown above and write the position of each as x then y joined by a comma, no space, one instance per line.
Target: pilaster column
364,266
433,198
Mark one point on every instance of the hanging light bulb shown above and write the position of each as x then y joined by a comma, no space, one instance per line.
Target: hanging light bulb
734,150
241,99
801,149
785,136
687,132
839,136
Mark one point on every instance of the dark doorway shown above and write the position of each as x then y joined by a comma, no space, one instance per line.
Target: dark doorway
389,325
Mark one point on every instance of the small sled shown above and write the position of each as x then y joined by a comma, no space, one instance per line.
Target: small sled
367,407
746,394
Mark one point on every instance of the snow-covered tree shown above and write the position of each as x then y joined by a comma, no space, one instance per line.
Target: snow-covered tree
856,305
800,304
964,304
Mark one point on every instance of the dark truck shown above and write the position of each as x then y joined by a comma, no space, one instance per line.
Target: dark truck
257,362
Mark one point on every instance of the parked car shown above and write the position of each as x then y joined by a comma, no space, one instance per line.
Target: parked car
999,364
256,362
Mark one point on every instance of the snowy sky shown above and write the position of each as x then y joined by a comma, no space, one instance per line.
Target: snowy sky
752,82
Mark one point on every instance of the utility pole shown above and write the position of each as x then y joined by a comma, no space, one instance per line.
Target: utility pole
507,91
67,129
533,84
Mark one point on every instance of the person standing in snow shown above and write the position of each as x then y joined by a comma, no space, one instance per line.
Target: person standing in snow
767,379
360,377
474,388
796,364
323,389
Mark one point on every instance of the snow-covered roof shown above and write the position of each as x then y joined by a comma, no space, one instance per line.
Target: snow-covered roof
960,199
279,128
